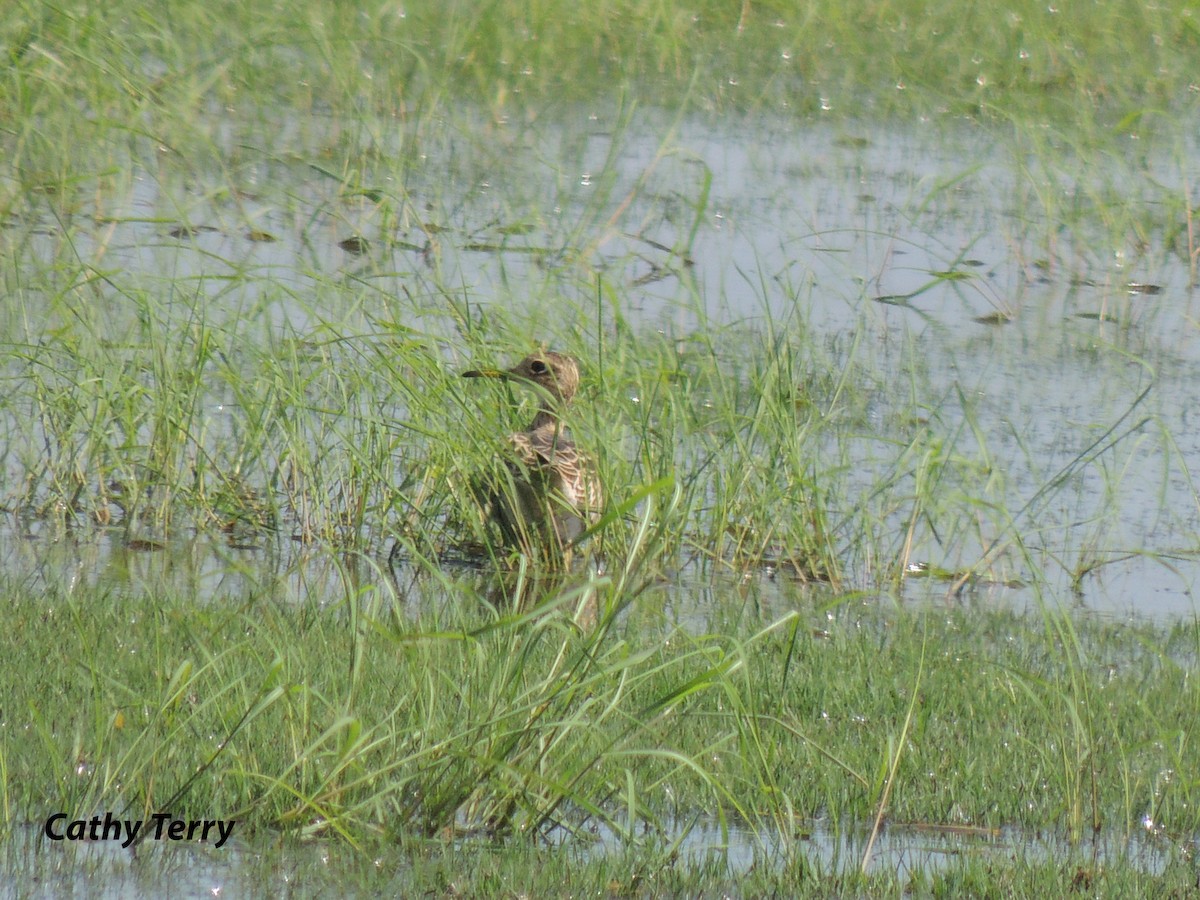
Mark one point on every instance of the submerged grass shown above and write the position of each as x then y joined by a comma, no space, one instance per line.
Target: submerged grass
95,95
326,420
149,396
351,717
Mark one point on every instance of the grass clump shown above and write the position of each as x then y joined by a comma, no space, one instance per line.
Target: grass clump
352,718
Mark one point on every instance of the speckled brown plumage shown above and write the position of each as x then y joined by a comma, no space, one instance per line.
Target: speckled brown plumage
552,492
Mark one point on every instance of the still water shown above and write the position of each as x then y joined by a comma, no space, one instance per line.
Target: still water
1056,341
294,867
1046,316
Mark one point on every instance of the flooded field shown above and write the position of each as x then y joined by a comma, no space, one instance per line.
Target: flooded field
927,258
896,424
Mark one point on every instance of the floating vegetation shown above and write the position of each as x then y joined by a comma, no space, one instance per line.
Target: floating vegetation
1136,287
190,231
356,245
994,318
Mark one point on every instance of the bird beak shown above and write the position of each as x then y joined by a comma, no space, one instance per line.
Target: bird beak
485,373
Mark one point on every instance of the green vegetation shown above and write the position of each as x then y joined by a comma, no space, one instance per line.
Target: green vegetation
247,251
89,89
350,718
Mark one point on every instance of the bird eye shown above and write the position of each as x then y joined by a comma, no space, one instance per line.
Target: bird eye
537,367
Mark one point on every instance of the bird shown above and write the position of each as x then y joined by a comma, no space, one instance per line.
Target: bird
547,493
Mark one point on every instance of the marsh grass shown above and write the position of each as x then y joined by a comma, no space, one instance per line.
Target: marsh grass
146,77
532,707
344,427
149,396
351,717
556,701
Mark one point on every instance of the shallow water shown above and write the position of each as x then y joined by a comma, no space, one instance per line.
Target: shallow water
254,867
830,225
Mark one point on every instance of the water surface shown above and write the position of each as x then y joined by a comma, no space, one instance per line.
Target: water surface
938,252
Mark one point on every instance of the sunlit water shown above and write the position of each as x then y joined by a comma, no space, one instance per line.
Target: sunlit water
851,230
835,225
255,867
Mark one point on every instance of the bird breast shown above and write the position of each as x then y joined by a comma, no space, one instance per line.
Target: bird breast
551,452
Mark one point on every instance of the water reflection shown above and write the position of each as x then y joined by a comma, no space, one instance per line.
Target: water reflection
215,568
252,866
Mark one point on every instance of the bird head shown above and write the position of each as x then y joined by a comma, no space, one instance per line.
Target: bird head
555,373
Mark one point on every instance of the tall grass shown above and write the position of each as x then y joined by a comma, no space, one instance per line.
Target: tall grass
348,716
268,387
167,417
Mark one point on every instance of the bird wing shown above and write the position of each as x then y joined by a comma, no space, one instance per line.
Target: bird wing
553,451
546,446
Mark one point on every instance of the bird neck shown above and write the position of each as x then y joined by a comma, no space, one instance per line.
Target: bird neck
547,417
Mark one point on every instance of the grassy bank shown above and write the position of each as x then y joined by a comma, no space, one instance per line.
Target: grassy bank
352,718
